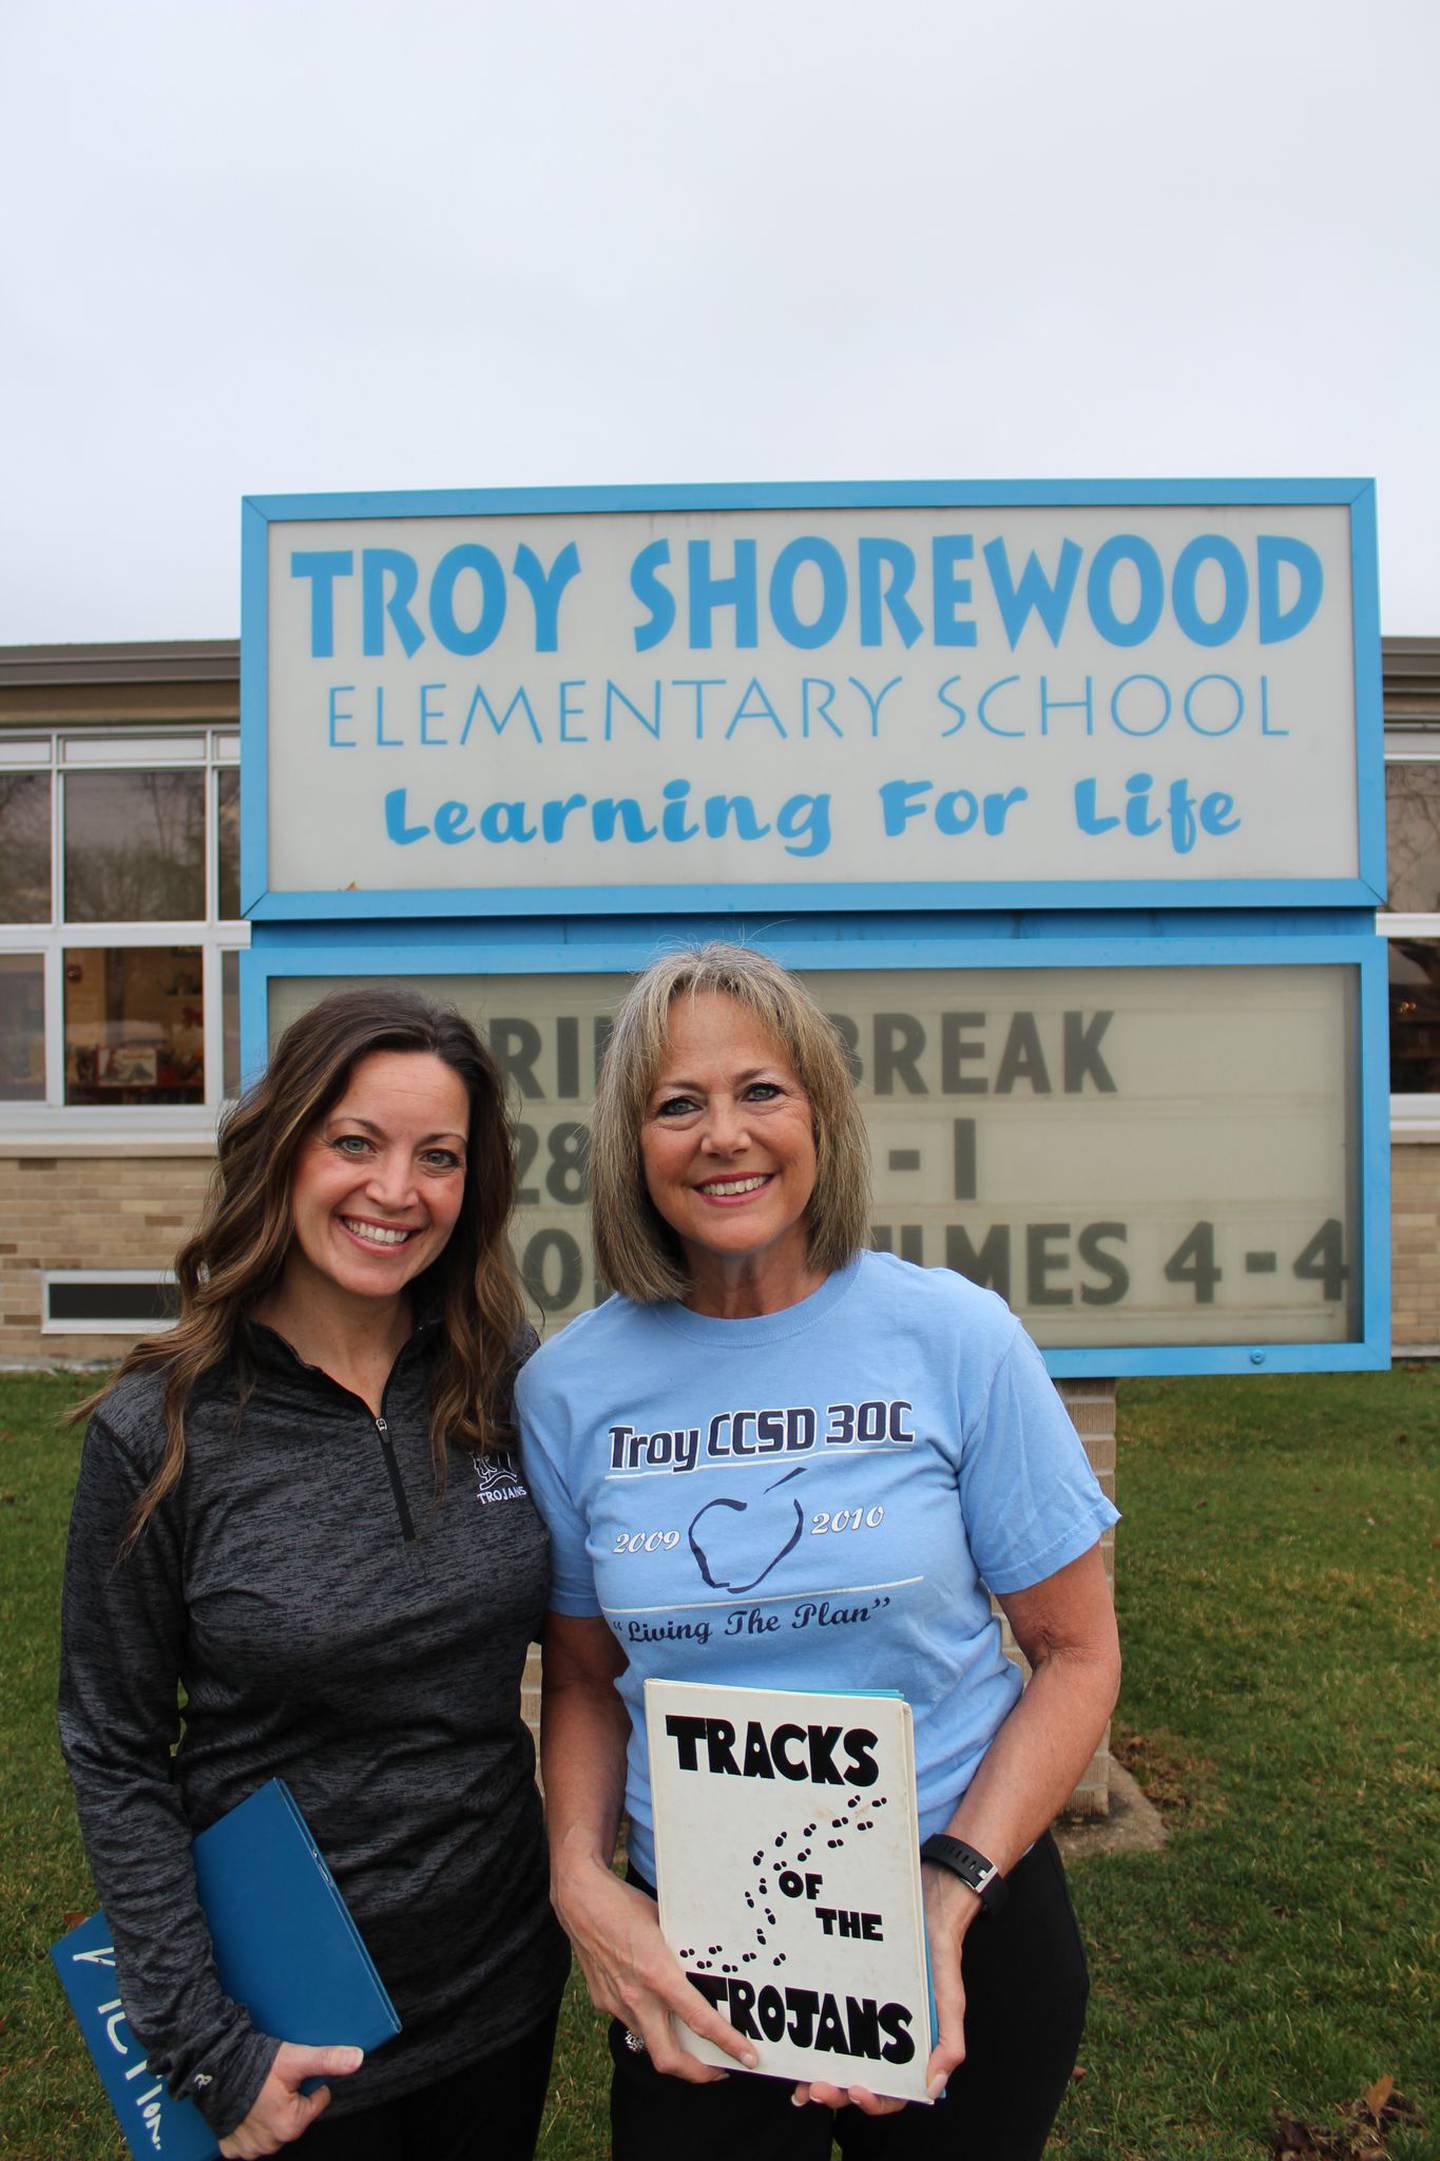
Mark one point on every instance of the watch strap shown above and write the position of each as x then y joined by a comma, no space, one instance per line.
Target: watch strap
971,1866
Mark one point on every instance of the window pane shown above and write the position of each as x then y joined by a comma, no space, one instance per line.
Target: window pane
24,847
134,1024
98,1300
135,847
1412,815
30,750
22,1028
1415,1016
228,842
105,747
230,1022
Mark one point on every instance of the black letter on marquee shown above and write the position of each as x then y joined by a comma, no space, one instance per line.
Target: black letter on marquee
1082,1053
899,1041
990,1267
1022,1058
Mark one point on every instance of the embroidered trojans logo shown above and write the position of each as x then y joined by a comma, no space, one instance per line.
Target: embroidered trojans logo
497,1479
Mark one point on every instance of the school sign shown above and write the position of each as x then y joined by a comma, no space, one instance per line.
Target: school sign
1066,799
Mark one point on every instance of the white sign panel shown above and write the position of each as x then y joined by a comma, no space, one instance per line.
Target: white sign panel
980,705
1130,1156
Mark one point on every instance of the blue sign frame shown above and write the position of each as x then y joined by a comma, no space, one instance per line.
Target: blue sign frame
263,905
814,943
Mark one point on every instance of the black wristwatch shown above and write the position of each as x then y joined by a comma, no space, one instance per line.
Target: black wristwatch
983,1877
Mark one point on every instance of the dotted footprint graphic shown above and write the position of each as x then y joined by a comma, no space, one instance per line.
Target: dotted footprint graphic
762,1860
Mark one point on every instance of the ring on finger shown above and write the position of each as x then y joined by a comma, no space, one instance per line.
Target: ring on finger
634,2042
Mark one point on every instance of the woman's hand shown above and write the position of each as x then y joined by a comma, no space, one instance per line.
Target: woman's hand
950,1908
629,1968
632,1973
281,2112
869,2104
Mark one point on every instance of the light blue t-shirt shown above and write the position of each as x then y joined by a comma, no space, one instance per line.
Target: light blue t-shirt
817,1498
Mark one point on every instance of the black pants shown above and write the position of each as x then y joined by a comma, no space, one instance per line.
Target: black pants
1025,1991
488,2112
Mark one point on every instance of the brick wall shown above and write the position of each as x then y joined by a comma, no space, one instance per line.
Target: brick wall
1415,1245
86,1212
1091,1405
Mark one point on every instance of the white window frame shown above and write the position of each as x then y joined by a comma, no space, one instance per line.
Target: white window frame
175,1128
147,1276
1412,1117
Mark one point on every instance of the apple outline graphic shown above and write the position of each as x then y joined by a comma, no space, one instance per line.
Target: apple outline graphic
741,1508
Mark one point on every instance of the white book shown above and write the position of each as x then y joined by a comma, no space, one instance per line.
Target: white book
787,1850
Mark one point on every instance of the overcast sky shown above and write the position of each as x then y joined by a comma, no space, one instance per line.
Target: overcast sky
256,246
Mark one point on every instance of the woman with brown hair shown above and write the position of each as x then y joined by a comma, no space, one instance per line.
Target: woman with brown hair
730,1190
300,1506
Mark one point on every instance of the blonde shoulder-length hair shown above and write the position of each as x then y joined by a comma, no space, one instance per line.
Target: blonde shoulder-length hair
637,1252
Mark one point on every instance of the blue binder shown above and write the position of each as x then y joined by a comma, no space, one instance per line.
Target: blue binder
285,1946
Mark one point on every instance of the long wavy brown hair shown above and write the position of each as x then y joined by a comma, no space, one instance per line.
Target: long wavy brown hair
236,1256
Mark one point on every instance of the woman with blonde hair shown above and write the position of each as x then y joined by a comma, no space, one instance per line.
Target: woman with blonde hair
277,1511
729,1185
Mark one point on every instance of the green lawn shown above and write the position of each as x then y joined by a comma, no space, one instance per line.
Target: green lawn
1277,1585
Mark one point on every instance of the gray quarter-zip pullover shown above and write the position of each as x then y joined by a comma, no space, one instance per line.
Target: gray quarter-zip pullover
333,1624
